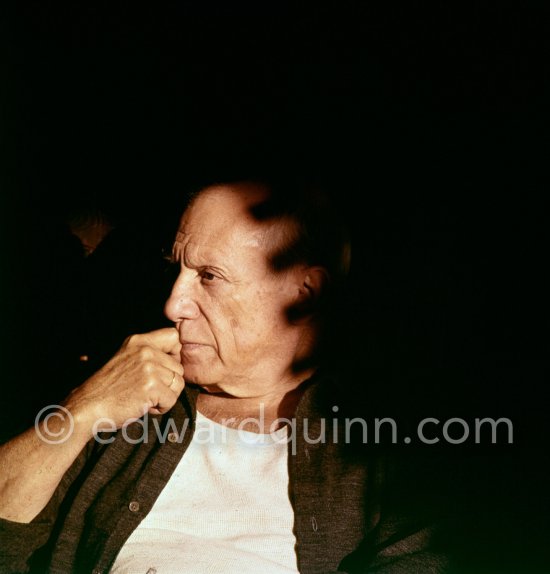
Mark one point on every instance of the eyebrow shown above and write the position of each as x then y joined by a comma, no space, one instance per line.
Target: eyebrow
228,273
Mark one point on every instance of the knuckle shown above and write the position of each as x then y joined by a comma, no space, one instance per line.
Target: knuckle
145,354
150,384
148,368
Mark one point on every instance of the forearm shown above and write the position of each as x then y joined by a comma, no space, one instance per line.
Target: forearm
143,376
33,464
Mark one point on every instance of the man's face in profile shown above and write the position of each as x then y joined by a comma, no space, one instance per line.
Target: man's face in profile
227,303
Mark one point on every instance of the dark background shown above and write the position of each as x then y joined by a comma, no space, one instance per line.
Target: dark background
427,121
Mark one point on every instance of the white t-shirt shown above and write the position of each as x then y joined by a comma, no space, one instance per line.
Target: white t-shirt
225,509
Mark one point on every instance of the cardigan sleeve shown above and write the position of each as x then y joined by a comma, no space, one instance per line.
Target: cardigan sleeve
19,542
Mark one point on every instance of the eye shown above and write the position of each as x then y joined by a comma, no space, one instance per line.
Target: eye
207,276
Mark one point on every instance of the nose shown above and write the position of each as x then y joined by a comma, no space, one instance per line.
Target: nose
182,303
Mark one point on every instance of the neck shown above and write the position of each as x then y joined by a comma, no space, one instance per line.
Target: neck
261,414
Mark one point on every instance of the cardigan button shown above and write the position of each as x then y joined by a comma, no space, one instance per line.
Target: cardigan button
314,524
173,437
133,506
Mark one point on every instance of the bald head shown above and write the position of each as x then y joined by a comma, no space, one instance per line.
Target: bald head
295,223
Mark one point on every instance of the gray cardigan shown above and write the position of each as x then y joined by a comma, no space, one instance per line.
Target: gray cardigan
338,492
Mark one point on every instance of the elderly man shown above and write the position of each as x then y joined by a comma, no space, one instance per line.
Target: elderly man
235,473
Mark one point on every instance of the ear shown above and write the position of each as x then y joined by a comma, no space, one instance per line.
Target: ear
315,280
314,283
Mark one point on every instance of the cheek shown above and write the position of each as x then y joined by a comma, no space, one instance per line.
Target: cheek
247,325
259,316
230,322
248,319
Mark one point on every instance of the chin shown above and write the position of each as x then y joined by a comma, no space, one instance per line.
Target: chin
227,391
212,389
201,383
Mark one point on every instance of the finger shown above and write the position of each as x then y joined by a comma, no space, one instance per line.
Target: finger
172,379
154,345
177,384
167,395
167,340
167,361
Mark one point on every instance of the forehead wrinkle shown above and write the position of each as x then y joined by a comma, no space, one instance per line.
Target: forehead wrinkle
249,234
194,254
222,218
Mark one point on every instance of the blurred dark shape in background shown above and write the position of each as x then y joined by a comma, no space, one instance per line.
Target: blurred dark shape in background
89,282
90,225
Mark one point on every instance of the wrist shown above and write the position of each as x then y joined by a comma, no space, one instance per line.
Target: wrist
83,415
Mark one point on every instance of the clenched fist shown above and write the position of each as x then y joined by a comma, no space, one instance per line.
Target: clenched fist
145,375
